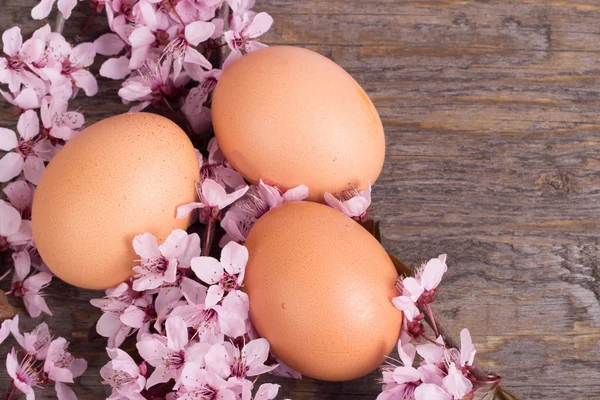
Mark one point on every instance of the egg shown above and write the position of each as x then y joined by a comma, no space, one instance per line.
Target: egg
320,289
290,116
118,178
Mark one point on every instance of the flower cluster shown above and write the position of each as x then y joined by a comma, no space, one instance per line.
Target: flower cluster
186,310
191,323
430,371
42,74
163,49
42,361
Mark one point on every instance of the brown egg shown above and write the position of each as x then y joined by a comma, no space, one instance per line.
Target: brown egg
291,116
120,177
320,289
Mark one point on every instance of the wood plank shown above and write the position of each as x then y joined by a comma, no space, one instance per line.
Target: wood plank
492,113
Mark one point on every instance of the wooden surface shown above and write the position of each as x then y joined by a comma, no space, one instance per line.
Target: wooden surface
492,116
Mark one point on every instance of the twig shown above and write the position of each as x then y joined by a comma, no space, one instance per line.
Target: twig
223,13
208,236
59,23
449,339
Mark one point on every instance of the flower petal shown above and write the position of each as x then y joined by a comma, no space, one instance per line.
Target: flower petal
198,31
267,391
175,244
234,257
12,40
406,374
11,165
208,269
184,210
115,68
8,139
64,392
28,125
86,81
298,193
259,25
34,168
83,54
456,384
214,295
255,353
22,263
467,350
428,391
411,288
216,361
432,273
109,44
146,246
193,56
133,317
66,6
406,305
177,334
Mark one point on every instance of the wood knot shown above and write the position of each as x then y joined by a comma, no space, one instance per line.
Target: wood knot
559,183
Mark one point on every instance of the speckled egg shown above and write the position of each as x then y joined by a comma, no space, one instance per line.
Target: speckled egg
290,116
118,178
320,289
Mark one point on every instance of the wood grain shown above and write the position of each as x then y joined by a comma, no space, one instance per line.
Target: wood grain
492,117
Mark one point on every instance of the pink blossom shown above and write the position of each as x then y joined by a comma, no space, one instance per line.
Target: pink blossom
181,49
169,354
432,353
31,291
224,276
213,198
30,151
204,384
401,381
244,28
36,343
193,106
466,356
113,306
123,375
228,360
15,67
56,49
57,121
71,71
25,375
240,218
211,323
144,37
455,386
152,84
20,195
420,290
140,316
352,203
217,168
158,264
14,231
60,365
43,9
